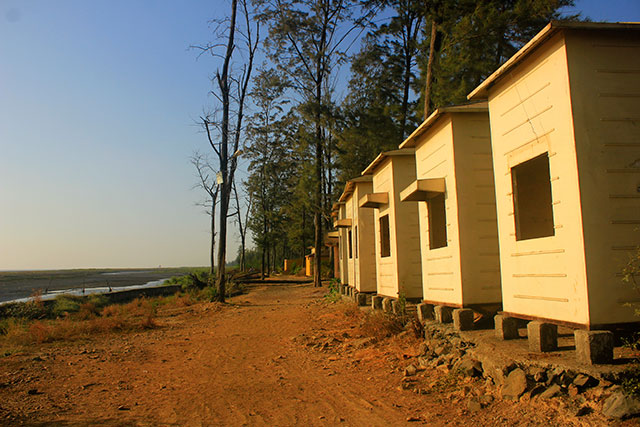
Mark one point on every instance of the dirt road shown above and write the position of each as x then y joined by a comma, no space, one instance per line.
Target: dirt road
275,356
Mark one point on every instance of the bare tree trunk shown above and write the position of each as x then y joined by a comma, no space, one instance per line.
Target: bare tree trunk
432,53
212,269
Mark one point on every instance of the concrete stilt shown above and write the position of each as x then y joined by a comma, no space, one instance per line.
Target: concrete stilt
376,302
463,319
386,304
443,314
506,327
542,336
594,347
361,299
425,312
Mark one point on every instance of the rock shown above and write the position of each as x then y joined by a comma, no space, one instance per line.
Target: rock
583,380
473,405
33,392
573,390
443,349
423,348
411,419
123,408
410,371
468,367
537,390
514,385
552,391
621,406
538,374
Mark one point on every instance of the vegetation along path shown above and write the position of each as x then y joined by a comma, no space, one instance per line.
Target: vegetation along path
277,355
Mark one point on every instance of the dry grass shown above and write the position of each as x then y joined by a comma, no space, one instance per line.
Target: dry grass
88,320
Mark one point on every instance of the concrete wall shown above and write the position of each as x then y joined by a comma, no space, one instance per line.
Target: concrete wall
531,114
363,235
466,271
605,98
344,260
353,275
441,271
399,273
477,222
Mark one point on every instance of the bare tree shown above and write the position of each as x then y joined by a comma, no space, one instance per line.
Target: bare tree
242,224
231,91
208,184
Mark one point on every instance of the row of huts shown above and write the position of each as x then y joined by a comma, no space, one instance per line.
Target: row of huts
524,201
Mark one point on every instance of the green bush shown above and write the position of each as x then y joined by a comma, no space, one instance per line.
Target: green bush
333,294
66,304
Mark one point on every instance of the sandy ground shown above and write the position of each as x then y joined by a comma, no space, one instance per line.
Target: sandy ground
277,355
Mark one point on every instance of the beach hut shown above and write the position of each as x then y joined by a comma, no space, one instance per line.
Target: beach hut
565,130
338,213
455,195
360,248
397,244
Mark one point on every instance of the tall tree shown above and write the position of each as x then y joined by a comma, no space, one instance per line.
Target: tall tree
306,42
231,89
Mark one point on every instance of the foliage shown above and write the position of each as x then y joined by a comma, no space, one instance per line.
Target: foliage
380,325
631,380
631,271
333,295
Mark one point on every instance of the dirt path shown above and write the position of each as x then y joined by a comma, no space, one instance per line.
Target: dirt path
275,356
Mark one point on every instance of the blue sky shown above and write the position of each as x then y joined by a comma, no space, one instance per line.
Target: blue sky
98,101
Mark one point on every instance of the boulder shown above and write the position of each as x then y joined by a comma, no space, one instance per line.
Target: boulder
552,391
621,406
515,384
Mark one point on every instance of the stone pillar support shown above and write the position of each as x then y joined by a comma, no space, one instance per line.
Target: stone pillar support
594,347
542,336
463,319
506,327
443,314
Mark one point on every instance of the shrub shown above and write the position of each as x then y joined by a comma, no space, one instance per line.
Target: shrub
381,325
65,305
333,294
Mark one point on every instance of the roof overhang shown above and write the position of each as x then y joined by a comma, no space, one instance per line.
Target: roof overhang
482,91
423,190
385,155
350,187
374,200
342,223
475,107
332,238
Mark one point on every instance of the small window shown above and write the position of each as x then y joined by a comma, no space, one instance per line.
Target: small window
350,246
341,246
437,222
385,243
355,238
532,208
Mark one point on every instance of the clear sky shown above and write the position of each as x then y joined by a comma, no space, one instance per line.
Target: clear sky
98,102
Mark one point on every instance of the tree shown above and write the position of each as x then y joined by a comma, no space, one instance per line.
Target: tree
242,225
473,38
231,89
306,42
207,183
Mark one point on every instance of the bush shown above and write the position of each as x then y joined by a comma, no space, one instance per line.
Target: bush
381,325
65,305
333,294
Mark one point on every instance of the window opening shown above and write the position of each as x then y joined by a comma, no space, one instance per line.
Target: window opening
532,203
355,238
385,242
350,246
437,222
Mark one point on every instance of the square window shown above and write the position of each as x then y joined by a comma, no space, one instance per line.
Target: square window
437,222
532,202
385,241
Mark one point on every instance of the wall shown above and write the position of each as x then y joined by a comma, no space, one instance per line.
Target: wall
386,271
604,73
344,263
530,113
350,205
441,272
366,260
478,227
405,233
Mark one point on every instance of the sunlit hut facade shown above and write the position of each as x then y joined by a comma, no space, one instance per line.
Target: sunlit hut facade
457,212
565,127
397,244
359,235
339,213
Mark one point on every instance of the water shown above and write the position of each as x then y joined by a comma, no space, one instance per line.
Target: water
52,294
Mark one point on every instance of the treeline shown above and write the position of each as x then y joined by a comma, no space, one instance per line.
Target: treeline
313,125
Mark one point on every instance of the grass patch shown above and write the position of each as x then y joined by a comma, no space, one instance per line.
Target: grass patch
333,295
381,325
